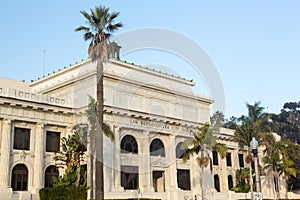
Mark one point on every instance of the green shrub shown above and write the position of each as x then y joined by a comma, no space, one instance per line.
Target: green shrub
63,193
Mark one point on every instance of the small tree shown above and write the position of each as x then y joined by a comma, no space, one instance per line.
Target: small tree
72,149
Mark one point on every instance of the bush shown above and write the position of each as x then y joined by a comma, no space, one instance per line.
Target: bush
63,193
241,189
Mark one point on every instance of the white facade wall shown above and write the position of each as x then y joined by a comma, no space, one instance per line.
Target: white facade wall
139,102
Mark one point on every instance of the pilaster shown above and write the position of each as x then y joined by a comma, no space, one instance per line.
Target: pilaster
145,167
171,184
117,160
5,153
39,156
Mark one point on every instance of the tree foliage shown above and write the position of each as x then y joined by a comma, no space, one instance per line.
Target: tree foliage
70,157
203,140
217,119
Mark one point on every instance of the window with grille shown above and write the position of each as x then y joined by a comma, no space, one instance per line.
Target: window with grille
183,179
21,138
50,172
130,177
129,145
180,151
157,148
52,141
19,180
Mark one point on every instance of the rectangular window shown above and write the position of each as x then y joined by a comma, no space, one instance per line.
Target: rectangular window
158,181
228,160
215,158
52,141
241,160
130,177
22,138
183,179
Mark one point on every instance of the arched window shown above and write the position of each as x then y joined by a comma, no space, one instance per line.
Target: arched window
129,145
217,182
19,180
179,151
157,148
50,172
230,182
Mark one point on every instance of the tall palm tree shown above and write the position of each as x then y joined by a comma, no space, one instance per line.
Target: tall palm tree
91,114
100,26
255,124
203,142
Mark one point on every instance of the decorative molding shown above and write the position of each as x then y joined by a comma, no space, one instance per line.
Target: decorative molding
159,163
22,156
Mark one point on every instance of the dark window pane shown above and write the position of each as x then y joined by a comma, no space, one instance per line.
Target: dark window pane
228,160
130,177
52,141
230,182
50,172
217,183
157,148
19,180
129,145
179,150
183,179
241,160
215,158
22,138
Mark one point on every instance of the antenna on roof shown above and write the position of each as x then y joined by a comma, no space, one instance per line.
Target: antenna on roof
44,53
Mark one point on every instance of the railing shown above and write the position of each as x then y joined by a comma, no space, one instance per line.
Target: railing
28,96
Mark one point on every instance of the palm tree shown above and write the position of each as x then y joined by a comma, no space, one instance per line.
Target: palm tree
91,113
278,162
217,119
202,142
255,124
100,26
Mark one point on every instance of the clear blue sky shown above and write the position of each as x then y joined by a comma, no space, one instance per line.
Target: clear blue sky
255,45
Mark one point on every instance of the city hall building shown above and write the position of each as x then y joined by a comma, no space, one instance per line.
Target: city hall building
150,112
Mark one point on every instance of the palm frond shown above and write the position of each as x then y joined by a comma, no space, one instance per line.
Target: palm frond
221,149
108,132
82,28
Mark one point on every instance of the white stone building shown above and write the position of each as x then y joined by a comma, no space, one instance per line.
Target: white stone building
150,112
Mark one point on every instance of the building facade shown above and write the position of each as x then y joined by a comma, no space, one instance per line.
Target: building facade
151,113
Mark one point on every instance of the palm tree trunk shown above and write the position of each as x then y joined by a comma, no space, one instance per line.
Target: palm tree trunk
78,174
99,136
92,169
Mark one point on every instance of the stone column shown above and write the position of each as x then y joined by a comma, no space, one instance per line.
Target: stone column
117,160
172,170
5,153
39,156
145,165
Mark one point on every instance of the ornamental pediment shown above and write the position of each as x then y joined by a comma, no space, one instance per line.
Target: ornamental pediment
159,163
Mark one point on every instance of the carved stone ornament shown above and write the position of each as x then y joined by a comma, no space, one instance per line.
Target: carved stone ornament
22,155
159,163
